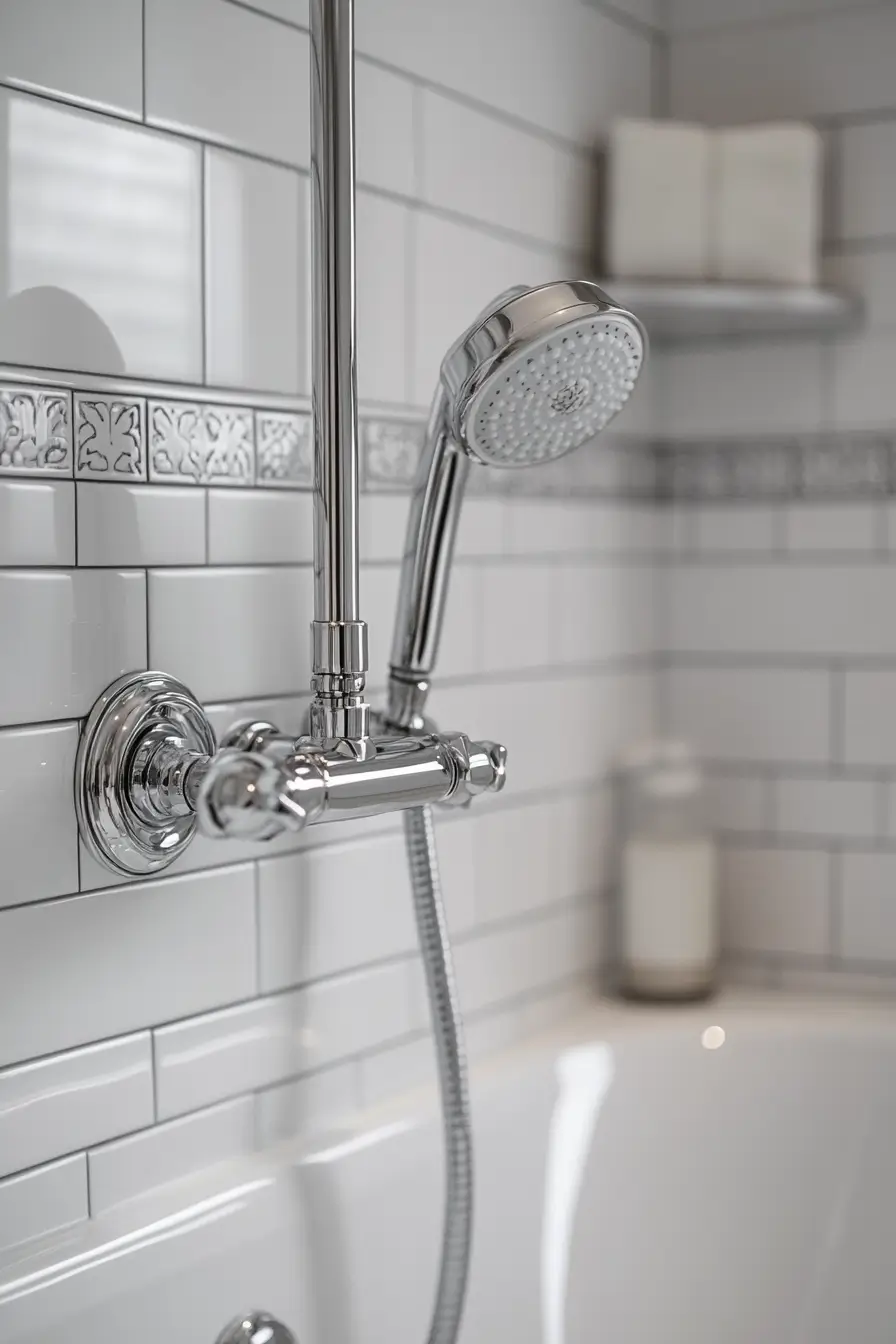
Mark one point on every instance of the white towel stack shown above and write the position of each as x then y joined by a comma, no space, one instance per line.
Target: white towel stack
765,204
658,179
688,203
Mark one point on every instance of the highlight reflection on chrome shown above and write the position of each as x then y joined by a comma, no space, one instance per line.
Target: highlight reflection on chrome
584,1075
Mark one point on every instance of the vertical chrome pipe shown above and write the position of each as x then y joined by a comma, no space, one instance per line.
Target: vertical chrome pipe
339,637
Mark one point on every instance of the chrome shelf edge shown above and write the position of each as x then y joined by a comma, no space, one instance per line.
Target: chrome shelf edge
676,311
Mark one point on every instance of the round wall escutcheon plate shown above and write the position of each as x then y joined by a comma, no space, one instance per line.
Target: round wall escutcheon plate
116,834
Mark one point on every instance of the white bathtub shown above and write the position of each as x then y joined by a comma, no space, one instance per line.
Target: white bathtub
634,1187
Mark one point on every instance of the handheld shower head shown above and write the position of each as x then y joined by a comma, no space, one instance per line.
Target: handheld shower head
540,373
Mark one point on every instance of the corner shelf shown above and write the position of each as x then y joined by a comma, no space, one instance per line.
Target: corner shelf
678,311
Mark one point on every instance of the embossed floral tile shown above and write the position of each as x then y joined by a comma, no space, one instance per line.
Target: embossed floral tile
206,445
110,437
35,431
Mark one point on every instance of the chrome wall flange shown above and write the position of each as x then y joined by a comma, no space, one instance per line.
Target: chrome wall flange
130,822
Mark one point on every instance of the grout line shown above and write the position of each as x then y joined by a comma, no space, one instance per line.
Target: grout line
256,908
143,60
630,22
835,904
882,790
837,715
205,288
793,18
154,1064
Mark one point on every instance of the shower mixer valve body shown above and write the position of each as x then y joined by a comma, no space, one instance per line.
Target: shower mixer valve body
149,775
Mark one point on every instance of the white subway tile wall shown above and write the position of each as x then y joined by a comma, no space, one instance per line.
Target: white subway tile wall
779,635
155,510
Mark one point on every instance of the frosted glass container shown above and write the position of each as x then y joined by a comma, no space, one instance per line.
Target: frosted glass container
668,913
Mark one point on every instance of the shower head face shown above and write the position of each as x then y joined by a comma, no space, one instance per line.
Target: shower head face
541,373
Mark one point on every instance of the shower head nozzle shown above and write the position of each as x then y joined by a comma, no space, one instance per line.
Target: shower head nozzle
540,373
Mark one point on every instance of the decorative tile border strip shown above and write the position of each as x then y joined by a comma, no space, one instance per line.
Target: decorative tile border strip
858,465
197,436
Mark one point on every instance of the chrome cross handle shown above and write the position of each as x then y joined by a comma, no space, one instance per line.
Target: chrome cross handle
149,775
256,1327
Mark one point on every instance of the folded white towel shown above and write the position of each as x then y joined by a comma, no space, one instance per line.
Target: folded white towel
658,182
765,204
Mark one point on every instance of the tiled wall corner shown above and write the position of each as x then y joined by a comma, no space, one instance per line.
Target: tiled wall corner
780,659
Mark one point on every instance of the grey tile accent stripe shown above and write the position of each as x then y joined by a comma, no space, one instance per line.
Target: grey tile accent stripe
198,436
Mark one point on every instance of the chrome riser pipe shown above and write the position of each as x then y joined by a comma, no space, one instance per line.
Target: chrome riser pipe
339,636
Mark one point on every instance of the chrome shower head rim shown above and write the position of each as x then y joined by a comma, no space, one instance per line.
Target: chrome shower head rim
549,416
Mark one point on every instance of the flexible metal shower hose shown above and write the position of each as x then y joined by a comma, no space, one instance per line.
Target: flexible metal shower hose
448,1032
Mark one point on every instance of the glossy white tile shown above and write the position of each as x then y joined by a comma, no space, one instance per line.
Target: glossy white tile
776,901
714,392
750,713
379,596
840,808
507,962
478,166
209,1058
863,394
140,525
832,527
817,65
458,270
101,955
688,15
569,77
332,909
66,636
389,1072
354,1013
868,725
736,803
385,131
734,528
871,277
121,1170
750,609
383,524
483,528
866,196
511,862
259,527
44,1200
271,609
461,650
601,612
311,1105
256,284
383,242
868,913
37,523
454,846
257,96
102,229
291,11
89,51
502,592
66,1102
38,831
